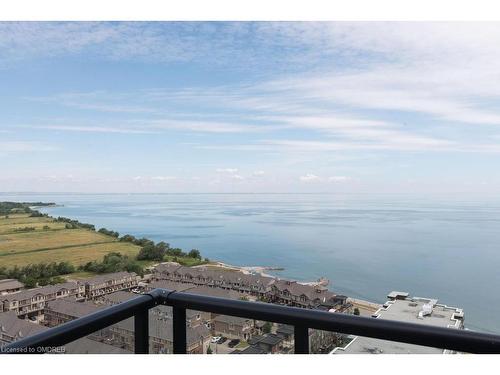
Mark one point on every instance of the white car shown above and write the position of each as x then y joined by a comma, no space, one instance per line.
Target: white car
215,339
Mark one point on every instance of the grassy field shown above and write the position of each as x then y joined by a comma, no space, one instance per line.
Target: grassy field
56,244
23,220
39,226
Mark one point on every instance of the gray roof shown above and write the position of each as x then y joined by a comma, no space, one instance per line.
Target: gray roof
298,289
118,297
236,320
195,289
7,284
72,308
167,267
172,285
269,339
285,329
12,326
214,292
88,346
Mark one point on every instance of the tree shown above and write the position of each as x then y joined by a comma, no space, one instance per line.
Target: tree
64,268
194,254
109,232
175,252
356,311
266,328
114,262
209,350
128,238
152,252
163,246
29,283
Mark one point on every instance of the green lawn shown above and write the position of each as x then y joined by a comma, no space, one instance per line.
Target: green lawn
188,262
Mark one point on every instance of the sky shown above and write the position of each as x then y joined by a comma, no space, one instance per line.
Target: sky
242,107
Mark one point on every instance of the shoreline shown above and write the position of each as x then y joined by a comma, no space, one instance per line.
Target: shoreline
364,306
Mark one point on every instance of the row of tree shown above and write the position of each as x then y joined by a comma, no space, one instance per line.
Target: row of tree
109,232
41,273
74,224
113,262
154,251
161,249
7,208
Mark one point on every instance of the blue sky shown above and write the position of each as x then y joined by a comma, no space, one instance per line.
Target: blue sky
250,107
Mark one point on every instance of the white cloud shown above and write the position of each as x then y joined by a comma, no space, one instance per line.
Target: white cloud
237,177
163,178
338,178
309,177
92,129
227,170
205,126
258,173
399,85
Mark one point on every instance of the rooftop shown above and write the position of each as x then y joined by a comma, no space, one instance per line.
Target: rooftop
88,346
406,310
171,285
12,326
118,297
269,339
7,284
214,292
232,320
72,308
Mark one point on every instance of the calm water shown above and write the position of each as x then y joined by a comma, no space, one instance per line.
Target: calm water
367,246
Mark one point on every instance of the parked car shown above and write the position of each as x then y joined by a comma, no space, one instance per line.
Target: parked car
222,340
233,343
215,339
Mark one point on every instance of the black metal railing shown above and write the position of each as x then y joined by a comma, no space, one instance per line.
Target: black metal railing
302,320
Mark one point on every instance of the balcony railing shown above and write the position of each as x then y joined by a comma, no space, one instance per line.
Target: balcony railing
301,319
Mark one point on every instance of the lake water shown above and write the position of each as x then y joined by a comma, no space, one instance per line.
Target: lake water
366,245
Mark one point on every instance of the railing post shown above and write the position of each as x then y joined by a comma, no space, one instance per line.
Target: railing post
141,332
179,330
301,339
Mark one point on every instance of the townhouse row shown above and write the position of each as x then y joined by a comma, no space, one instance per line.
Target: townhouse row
28,303
121,335
269,289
